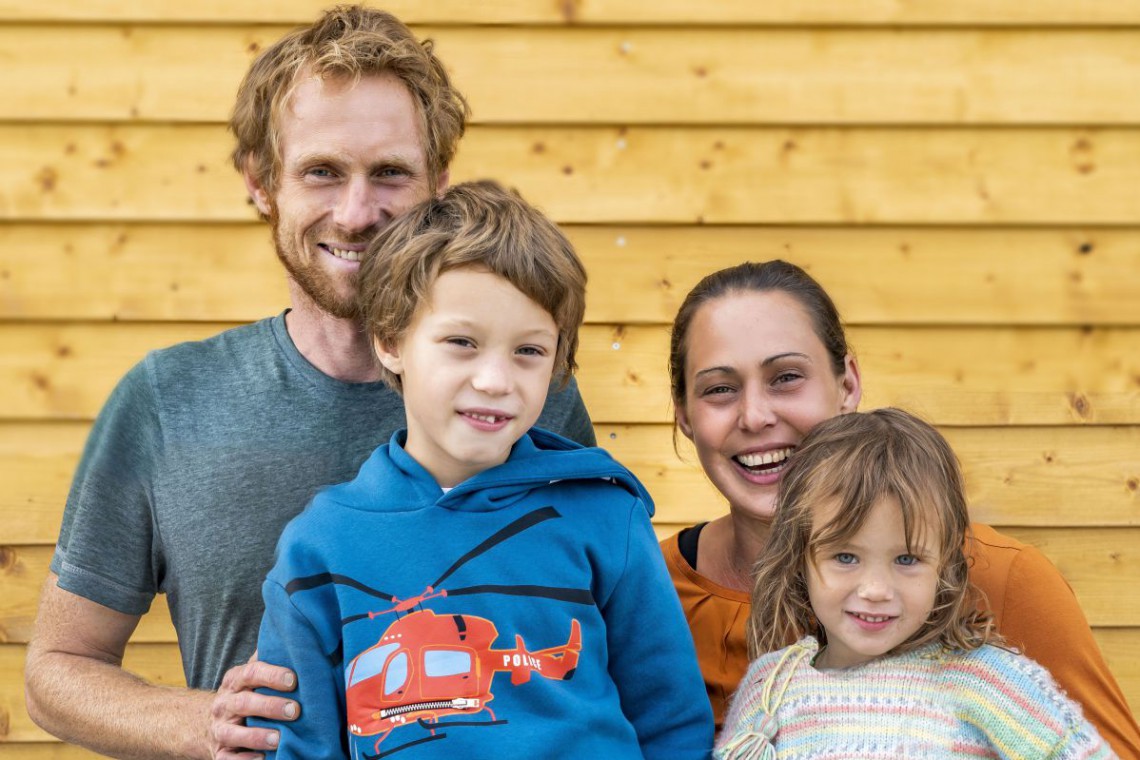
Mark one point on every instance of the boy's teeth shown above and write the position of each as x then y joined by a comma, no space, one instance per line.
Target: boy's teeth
485,417
340,253
767,457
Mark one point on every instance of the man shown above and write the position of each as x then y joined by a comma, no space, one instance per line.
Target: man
205,450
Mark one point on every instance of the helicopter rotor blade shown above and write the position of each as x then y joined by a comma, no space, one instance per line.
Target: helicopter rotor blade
572,595
528,520
323,579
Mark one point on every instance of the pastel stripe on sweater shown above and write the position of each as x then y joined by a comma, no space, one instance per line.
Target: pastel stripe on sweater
933,702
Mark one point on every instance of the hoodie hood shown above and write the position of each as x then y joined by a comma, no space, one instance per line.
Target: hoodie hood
391,480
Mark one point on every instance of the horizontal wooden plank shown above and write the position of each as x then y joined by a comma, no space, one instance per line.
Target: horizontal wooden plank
584,12
619,76
638,274
45,749
953,376
22,573
597,175
1041,476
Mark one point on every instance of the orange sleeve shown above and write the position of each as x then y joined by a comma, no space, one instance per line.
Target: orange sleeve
1037,612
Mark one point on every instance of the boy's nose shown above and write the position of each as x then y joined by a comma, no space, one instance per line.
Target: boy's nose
492,377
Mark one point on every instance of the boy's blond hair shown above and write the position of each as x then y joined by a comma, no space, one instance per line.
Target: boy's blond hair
484,226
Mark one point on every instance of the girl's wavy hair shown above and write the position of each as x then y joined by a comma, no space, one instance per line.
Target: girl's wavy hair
857,460
346,43
484,226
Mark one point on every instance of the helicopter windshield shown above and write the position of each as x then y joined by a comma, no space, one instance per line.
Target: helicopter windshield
369,663
439,663
397,673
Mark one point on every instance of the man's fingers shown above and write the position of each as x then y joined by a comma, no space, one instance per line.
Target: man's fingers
256,675
236,741
249,704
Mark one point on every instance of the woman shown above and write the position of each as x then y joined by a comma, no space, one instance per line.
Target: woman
758,356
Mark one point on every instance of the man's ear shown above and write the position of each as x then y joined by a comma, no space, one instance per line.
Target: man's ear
389,356
257,193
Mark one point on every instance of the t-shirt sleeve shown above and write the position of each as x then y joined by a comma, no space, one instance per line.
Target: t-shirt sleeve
652,659
565,413
107,550
1043,619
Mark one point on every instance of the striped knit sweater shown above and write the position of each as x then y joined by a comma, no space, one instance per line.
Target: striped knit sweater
930,703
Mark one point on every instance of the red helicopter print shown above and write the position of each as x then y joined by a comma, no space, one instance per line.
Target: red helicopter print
427,666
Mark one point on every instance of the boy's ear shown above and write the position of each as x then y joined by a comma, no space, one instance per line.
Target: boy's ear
389,356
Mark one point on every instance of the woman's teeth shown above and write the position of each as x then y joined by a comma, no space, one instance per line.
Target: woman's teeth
762,459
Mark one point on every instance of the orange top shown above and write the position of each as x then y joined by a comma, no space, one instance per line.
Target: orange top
1033,607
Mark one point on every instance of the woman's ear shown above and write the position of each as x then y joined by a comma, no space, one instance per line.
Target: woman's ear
851,387
389,355
681,417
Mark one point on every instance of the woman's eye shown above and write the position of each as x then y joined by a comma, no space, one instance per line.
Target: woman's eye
907,560
717,390
786,377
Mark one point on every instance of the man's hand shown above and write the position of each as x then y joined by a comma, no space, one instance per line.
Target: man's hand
230,738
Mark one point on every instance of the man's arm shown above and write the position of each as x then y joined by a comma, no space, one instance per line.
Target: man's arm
76,689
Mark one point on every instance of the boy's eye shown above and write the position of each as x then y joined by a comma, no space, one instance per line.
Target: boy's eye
461,342
907,560
532,351
846,558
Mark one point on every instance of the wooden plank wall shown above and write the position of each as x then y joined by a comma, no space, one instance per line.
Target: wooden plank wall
961,174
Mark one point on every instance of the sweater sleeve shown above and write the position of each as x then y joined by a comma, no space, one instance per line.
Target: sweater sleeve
1043,619
288,638
1021,711
652,659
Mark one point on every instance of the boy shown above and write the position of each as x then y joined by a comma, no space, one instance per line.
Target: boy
480,590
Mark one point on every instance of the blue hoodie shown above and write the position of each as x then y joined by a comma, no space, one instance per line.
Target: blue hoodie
526,612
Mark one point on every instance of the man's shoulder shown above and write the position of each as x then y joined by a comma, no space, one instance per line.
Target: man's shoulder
232,344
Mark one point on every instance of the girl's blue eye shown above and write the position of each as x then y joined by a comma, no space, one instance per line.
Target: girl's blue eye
846,558
907,560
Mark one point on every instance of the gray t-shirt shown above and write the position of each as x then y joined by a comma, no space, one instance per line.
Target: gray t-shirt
201,455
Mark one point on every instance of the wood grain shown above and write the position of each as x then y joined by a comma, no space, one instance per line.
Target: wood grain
721,76
638,274
689,175
589,12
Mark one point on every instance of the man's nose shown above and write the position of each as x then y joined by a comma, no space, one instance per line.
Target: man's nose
359,206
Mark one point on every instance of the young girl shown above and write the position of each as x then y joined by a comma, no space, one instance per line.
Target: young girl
894,658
